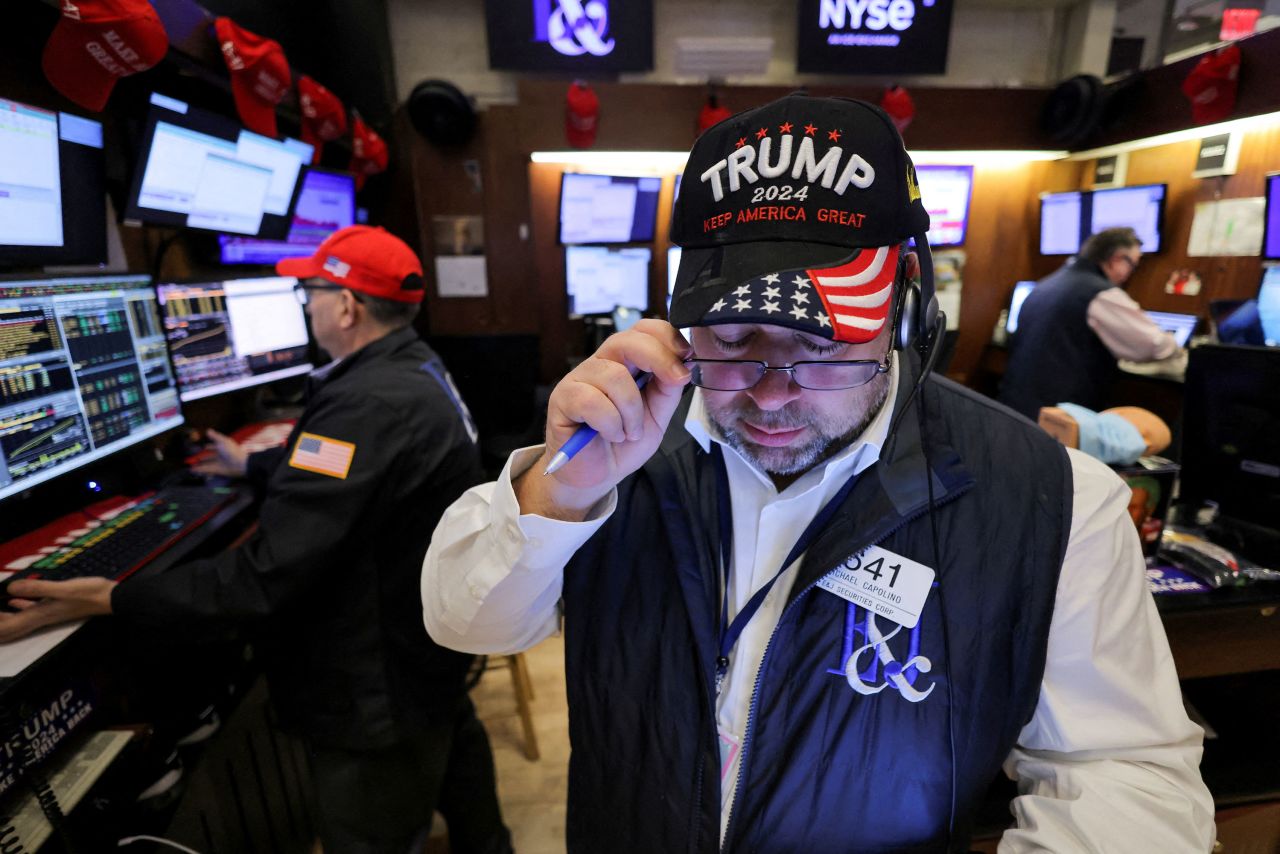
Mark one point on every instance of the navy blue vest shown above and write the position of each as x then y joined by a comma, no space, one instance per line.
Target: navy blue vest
1054,356
847,748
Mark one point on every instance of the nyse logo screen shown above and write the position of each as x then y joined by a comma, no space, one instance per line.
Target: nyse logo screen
874,36
570,35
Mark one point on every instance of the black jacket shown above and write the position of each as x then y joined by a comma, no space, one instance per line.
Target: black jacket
825,767
1054,356
329,582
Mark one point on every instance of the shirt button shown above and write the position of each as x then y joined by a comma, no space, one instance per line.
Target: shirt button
477,592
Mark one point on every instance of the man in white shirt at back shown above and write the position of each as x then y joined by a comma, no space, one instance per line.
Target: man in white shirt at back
1076,324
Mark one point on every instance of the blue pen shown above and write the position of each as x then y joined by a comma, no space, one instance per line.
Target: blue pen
582,436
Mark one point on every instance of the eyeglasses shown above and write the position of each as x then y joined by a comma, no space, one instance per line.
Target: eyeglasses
742,374
1133,262
300,290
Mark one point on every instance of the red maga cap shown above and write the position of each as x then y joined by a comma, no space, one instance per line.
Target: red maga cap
323,116
368,152
1211,85
581,115
259,74
366,259
99,41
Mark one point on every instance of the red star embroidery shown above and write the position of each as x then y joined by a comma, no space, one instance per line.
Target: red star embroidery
833,135
785,127
741,142
810,130
762,133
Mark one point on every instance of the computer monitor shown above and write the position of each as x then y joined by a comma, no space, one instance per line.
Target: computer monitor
1269,306
233,334
608,208
326,203
201,170
1020,293
83,374
1271,229
1231,434
1181,325
946,191
673,269
599,279
53,203
1061,222
1140,208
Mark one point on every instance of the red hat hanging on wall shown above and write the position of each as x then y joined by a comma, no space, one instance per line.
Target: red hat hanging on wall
1211,85
259,74
324,119
96,42
712,113
581,115
368,152
896,101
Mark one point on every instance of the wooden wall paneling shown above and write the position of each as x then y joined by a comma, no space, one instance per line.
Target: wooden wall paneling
548,263
513,297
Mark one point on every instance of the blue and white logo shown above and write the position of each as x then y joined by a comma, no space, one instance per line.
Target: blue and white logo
868,658
573,28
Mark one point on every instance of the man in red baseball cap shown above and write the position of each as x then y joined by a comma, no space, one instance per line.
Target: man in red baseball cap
96,42
329,581
260,74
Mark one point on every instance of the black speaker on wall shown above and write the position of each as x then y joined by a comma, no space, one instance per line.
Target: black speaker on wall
441,113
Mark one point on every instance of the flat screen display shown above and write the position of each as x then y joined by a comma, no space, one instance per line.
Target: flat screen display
1061,222
326,203
1021,291
200,170
600,279
1181,325
1269,306
53,207
1140,208
83,374
945,192
1271,231
608,208
883,37
575,36
233,334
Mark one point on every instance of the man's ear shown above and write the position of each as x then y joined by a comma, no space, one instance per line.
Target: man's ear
350,309
911,267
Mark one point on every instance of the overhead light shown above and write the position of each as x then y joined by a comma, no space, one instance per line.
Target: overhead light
617,162
1267,121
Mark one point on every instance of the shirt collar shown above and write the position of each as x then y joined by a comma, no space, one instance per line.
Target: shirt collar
862,451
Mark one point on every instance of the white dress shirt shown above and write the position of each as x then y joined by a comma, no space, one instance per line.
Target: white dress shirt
1109,761
1126,330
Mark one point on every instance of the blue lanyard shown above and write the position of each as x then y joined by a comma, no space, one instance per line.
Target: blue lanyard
731,631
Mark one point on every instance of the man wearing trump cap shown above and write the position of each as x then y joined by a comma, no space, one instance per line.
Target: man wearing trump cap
327,583
814,598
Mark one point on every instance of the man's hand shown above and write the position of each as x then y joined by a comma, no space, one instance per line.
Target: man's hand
230,458
602,393
51,603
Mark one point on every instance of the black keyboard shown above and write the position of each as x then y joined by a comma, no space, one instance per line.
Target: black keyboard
118,546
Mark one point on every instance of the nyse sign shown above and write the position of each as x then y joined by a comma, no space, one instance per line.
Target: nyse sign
874,36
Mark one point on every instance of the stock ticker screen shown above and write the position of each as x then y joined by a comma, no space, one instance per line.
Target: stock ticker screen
233,334
83,373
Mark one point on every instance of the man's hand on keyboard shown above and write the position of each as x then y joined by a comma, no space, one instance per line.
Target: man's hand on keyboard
39,604
229,459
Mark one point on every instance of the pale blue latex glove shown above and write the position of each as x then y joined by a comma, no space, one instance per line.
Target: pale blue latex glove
1108,437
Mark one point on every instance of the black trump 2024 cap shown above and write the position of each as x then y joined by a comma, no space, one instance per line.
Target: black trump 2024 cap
793,214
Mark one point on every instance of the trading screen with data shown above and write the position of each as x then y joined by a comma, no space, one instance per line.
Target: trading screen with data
233,334
83,374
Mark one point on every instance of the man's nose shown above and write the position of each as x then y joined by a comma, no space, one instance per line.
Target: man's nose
775,390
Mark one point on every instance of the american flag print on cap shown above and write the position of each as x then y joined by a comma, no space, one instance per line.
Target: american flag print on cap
322,455
847,303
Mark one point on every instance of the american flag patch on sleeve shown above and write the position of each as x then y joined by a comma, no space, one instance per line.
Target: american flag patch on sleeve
322,455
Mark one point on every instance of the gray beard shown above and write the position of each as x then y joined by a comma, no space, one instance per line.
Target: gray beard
816,452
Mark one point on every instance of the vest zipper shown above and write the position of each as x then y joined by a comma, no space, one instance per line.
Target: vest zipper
755,688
